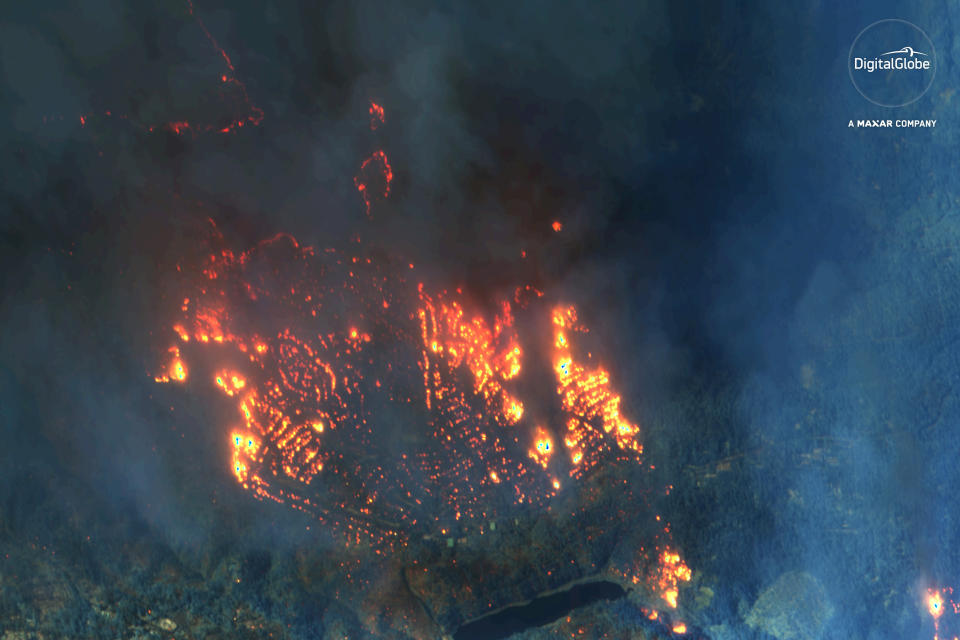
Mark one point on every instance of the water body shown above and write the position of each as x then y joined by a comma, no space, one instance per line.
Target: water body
539,611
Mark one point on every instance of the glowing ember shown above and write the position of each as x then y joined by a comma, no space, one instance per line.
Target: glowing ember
253,114
373,181
376,116
557,226
177,127
679,628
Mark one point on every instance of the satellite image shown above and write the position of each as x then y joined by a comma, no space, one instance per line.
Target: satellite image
479,320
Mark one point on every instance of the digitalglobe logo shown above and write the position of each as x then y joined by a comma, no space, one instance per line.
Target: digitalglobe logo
892,63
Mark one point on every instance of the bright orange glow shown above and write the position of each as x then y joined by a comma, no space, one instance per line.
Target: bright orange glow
512,360
312,346
935,604
587,397
182,333
542,449
670,595
670,573
488,350
680,628
229,383
557,225
176,371
513,410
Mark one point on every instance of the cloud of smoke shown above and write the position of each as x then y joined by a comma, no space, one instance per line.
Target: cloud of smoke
753,296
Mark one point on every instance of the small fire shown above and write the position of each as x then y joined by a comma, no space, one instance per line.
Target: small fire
230,383
680,628
373,181
376,116
176,371
542,449
177,127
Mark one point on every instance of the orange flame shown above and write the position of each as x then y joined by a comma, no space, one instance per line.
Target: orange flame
586,396
309,363
176,371
671,572
542,448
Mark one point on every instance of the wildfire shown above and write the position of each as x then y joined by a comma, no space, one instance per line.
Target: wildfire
349,338
588,400
386,409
